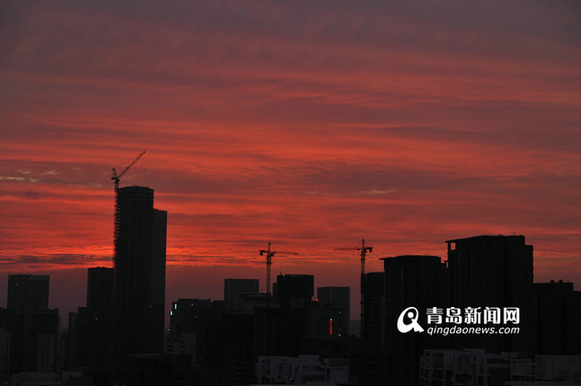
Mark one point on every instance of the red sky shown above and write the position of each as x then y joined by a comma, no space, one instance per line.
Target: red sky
308,124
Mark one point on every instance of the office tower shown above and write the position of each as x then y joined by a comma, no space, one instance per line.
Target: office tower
235,287
33,327
5,344
241,295
324,321
28,291
340,298
188,322
371,362
411,281
188,315
100,287
494,271
283,330
93,329
34,339
558,317
294,290
373,328
139,276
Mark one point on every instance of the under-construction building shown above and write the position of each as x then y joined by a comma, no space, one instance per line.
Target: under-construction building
139,277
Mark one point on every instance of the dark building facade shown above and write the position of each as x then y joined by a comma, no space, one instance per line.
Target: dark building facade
28,291
339,298
411,281
91,329
373,329
494,271
100,287
558,317
294,290
32,326
139,274
234,287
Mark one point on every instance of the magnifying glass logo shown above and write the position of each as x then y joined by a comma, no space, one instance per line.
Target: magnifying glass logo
413,315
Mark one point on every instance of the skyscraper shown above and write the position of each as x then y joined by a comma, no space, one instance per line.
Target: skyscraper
91,331
494,271
558,317
234,287
411,281
294,290
100,287
33,327
139,276
28,291
339,297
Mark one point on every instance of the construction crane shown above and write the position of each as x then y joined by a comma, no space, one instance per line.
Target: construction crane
269,254
116,178
364,250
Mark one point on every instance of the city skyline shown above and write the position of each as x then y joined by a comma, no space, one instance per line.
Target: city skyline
210,288
214,341
310,126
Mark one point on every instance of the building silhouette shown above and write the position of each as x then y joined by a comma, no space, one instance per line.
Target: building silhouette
187,333
235,287
339,298
90,338
558,317
373,332
28,291
30,327
494,271
411,281
295,291
239,293
100,287
139,274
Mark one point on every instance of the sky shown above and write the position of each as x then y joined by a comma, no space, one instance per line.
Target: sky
308,124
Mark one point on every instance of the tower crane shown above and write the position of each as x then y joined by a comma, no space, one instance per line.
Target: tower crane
116,178
364,250
269,254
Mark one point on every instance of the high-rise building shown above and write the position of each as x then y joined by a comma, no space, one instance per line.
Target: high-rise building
235,287
235,291
100,287
188,315
373,323
91,330
411,281
28,291
5,344
494,271
187,333
558,317
139,276
340,298
33,327
294,290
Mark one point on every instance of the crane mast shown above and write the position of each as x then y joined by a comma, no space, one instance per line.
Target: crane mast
116,178
269,254
363,252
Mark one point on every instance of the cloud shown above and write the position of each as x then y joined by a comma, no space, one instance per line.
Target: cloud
407,123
